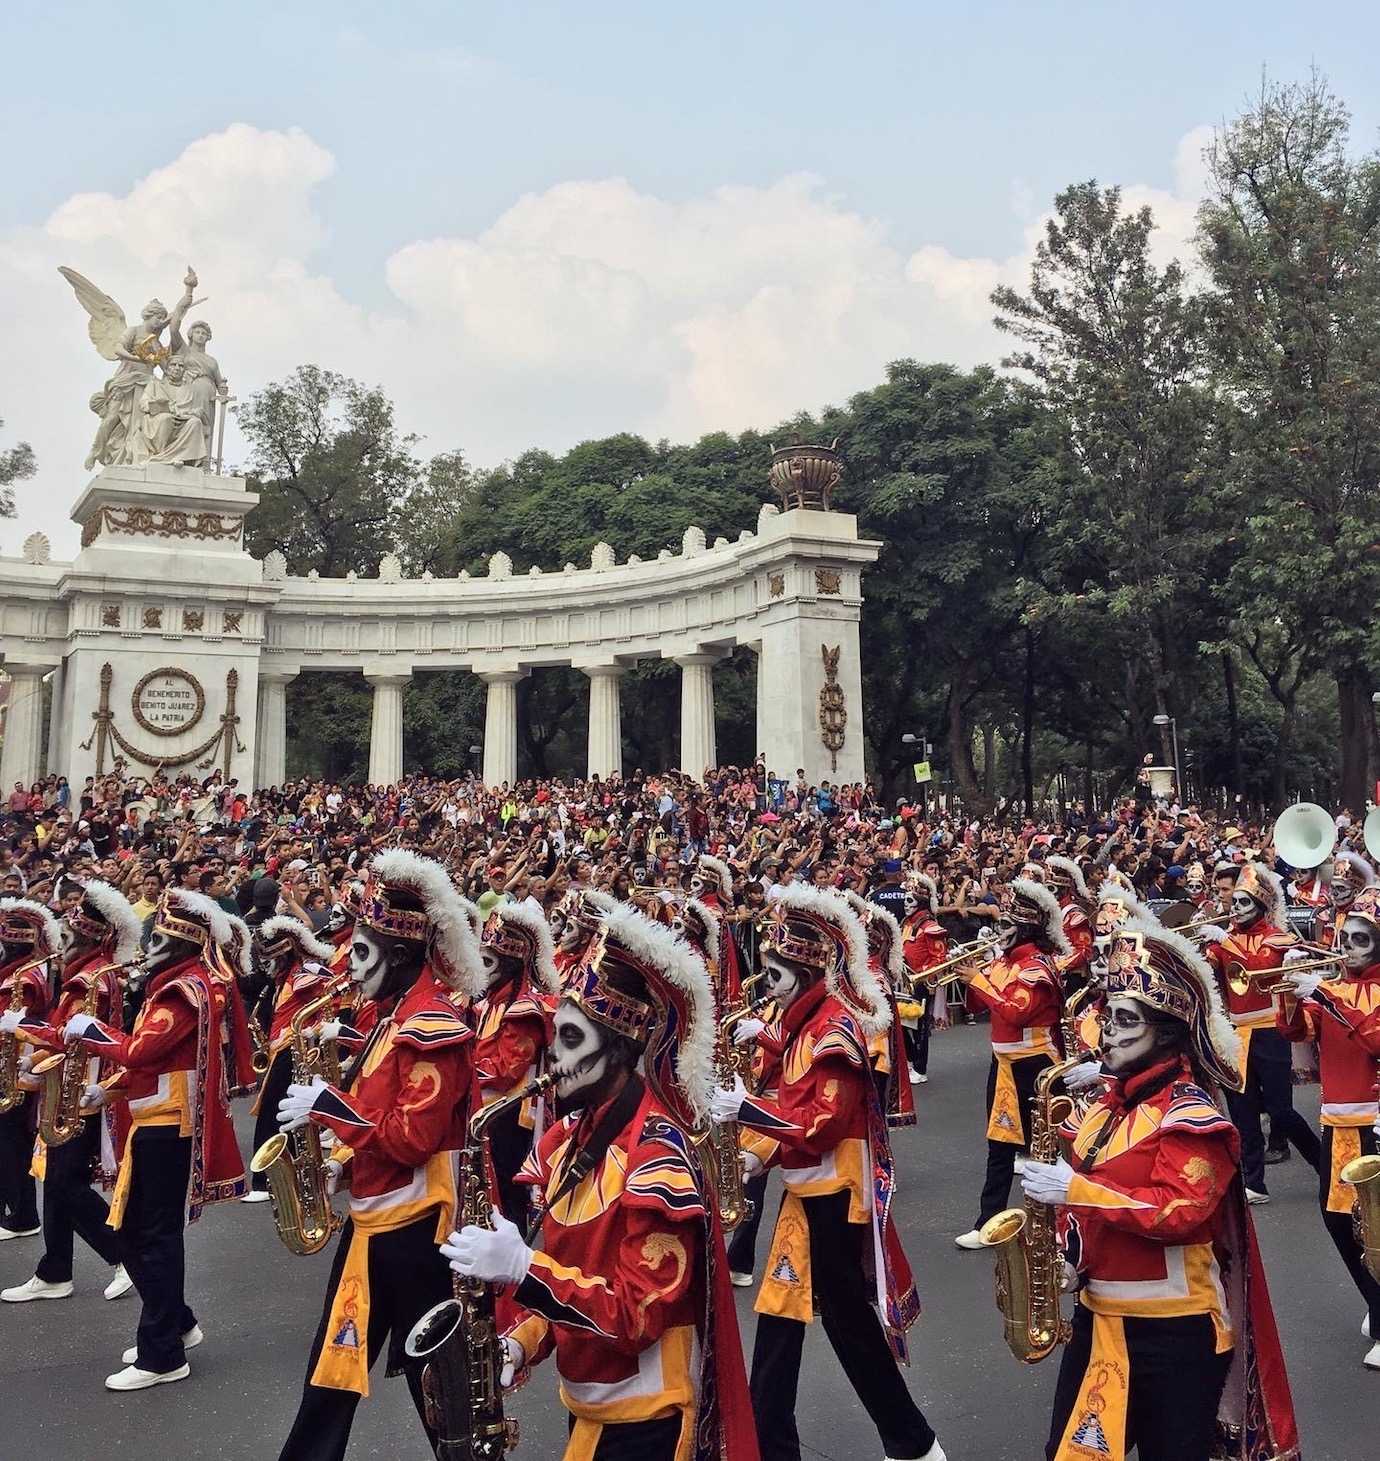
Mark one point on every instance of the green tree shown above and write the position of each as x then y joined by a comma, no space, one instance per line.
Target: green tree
16,464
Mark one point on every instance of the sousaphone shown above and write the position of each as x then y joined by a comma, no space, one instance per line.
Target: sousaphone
1305,835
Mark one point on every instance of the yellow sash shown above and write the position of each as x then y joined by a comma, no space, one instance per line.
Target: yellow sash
1346,1144
786,1290
344,1361
1096,1430
38,1167
1004,1121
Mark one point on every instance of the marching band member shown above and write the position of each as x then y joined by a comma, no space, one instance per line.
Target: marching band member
1343,1015
512,1024
1173,1326
1064,878
924,944
181,1154
1350,873
1311,887
627,1284
30,938
886,1049
712,884
835,1250
296,963
578,917
99,935
1256,945
399,1123
1022,990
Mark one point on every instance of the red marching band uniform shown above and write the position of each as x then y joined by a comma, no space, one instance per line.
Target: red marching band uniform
886,1050
715,890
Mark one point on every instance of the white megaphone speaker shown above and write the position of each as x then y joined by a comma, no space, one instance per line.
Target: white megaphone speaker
1305,835
1370,830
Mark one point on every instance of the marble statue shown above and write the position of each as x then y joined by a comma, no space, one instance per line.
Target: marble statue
170,427
202,372
140,351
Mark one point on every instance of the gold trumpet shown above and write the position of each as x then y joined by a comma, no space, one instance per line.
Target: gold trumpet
966,954
1240,979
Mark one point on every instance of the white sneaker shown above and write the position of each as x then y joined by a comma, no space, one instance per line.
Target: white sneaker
915,1076
254,1195
1372,1359
740,1280
120,1283
1365,1327
133,1378
1256,1199
7,1233
36,1288
190,1340
935,1453
971,1240
921,1080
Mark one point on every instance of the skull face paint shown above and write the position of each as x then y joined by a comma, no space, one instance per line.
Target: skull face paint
1007,930
369,967
1128,1038
783,979
579,1055
163,950
912,904
1244,909
1356,944
1342,889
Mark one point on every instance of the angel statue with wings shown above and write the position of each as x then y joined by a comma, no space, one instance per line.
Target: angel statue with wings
139,349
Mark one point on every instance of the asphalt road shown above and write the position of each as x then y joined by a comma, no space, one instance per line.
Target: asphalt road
259,1306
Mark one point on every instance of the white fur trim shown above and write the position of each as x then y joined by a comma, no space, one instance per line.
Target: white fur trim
721,870
1048,904
1072,872
866,911
825,903
1277,908
471,911
452,937
272,929
654,944
52,930
1360,864
240,944
544,965
712,921
922,882
201,909
118,912
1114,892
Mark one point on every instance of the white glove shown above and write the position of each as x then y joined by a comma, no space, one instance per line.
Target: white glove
334,1172
10,1020
1298,956
311,967
724,1105
26,1061
1083,1077
299,1103
751,1164
513,1357
327,1030
747,1030
94,1097
492,1255
1211,934
1303,984
78,1025
1047,1182
1070,1279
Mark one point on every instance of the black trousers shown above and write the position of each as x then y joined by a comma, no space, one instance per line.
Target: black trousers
151,1246
1001,1155
638,1440
1343,1233
509,1143
407,1275
277,1079
18,1195
72,1206
1269,1090
1176,1383
918,1040
842,1299
742,1245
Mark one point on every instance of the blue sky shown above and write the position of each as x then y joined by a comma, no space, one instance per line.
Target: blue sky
925,140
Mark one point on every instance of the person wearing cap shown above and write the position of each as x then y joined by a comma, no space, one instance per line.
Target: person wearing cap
1023,992
1350,874
887,1048
1174,1338
100,936
1065,880
835,1251
398,1121
181,1155
1253,947
625,1282
1341,1012
30,938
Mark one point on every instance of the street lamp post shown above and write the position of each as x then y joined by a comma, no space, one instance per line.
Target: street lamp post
1173,725
913,743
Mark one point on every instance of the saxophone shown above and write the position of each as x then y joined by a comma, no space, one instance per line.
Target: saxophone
331,1067
294,1162
723,1163
1363,1173
60,1115
1030,1264
11,1092
456,1342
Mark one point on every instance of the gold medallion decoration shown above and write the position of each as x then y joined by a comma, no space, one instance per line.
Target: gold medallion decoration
833,709
168,701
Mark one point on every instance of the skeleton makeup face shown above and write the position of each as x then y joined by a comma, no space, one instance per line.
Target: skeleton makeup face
783,979
1357,945
1244,909
912,903
1342,889
163,950
1007,930
374,969
1129,1040
579,1056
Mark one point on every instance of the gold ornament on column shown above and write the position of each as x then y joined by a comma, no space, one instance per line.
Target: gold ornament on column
833,709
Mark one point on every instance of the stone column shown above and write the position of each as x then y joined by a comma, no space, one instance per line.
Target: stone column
696,712
385,728
271,760
501,725
22,756
55,693
605,719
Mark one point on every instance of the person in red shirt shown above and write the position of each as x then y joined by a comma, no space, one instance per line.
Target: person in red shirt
626,1282
398,1122
1341,1012
1350,874
1065,880
181,1155
577,918
712,883
924,944
100,936
835,1250
1173,1339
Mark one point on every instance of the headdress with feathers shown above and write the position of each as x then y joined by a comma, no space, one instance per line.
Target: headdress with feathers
284,926
710,922
239,947
1357,868
193,917
524,934
873,915
441,922
22,921
121,928
721,871
1114,891
924,888
1265,887
1069,872
1032,902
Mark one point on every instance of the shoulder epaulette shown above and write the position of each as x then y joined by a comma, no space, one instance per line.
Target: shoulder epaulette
527,1006
841,1039
1191,1108
432,1028
663,1171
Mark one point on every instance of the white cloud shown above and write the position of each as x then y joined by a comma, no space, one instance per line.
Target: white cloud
587,308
